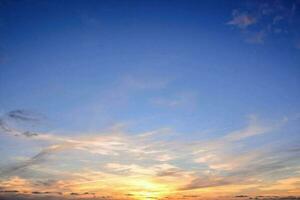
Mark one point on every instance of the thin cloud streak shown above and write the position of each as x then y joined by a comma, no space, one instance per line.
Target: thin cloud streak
216,156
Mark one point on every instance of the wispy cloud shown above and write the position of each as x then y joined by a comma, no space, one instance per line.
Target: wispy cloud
40,157
266,19
241,20
139,162
179,100
205,182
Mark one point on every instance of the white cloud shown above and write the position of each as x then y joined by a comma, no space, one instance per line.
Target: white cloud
241,20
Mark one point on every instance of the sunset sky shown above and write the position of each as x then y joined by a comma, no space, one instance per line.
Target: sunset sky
149,99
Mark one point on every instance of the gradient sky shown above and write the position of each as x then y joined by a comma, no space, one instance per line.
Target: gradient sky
149,99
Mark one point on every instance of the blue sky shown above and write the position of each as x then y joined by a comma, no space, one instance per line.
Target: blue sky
199,69
60,56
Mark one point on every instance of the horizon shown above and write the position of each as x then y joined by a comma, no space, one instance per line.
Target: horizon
157,99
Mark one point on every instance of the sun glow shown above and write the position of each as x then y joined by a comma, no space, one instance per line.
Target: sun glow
147,189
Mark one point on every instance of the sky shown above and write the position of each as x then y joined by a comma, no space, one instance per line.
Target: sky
140,99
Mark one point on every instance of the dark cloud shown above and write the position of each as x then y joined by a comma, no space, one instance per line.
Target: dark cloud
18,116
36,192
46,183
30,134
50,196
190,196
23,115
9,191
46,193
80,194
29,196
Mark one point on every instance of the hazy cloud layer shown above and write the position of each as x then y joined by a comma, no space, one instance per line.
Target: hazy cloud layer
125,159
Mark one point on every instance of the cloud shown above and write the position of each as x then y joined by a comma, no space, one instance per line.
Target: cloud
220,154
227,165
30,134
15,132
109,144
290,185
22,115
170,172
4,126
253,166
120,158
16,183
128,169
40,157
9,119
9,191
266,19
253,128
179,100
241,20
205,182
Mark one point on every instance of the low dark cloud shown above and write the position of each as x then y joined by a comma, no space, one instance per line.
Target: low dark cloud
9,191
190,196
45,193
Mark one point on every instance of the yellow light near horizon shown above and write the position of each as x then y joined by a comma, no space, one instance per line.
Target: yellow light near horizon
139,187
144,189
